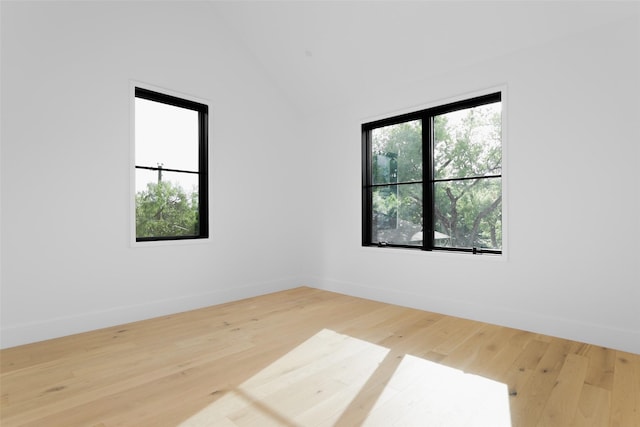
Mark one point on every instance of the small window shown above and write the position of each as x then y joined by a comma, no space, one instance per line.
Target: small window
432,179
170,138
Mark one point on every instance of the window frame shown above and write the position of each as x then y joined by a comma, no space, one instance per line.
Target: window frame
202,107
426,115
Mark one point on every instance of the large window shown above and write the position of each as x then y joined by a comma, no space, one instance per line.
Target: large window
171,137
432,179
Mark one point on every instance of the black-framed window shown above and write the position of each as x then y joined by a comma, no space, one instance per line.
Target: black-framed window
171,167
432,179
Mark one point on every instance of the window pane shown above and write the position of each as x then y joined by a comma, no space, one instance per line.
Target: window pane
468,142
166,135
397,214
469,213
166,206
397,153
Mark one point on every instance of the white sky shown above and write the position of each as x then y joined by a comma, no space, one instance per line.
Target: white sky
167,135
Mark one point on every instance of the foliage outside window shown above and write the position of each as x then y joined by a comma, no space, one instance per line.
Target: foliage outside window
171,136
432,179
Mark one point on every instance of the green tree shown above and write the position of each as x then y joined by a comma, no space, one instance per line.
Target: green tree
467,143
397,158
165,209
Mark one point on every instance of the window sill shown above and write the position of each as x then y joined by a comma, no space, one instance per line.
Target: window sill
178,242
402,251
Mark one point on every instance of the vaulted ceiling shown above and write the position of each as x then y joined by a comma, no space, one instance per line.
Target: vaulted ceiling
324,53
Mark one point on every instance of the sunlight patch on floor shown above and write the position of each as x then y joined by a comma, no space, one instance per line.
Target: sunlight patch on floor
322,380
426,393
310,385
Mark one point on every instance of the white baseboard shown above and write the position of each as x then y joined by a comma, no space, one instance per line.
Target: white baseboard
620,339
590,333
26,333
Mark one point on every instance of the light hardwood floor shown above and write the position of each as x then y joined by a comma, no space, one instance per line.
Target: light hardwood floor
307,357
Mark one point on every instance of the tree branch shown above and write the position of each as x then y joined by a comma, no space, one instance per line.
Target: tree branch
482,215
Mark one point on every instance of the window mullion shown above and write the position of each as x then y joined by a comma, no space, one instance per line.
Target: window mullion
203,177
427,179
367,204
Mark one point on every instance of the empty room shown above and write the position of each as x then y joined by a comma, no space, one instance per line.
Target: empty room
320,213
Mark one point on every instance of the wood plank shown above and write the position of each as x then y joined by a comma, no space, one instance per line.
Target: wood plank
521,370
508,346
562,404
601,367
625,395
528,401
593,407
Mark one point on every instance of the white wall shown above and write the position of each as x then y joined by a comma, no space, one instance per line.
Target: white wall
572,259
67,263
